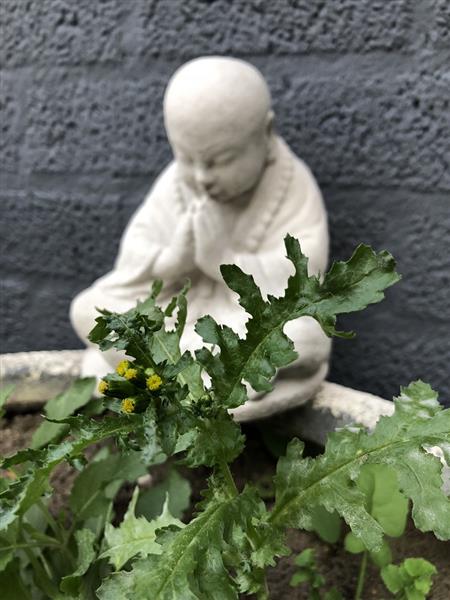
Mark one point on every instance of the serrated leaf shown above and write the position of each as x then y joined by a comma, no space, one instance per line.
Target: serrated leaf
85,556
125,331
135,535
216,439
165,344
397,441
143,334
63,405
151,446
253,544
347,287
192,565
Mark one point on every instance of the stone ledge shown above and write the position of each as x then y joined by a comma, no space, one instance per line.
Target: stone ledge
39,376
333,406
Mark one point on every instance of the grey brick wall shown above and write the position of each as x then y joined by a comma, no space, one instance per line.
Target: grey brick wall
361,90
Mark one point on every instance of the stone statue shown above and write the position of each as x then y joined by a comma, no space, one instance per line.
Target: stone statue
232,192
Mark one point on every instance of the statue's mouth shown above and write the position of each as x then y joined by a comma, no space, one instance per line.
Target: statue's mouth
215,194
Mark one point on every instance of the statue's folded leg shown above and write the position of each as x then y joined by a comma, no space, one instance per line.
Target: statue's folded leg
287,394
83,314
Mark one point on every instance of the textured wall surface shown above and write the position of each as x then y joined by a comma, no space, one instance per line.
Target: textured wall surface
361,91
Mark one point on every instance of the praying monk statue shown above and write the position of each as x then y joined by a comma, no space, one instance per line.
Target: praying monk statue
232,192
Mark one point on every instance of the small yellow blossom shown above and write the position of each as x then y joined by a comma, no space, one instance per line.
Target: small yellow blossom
103,386
130,373
128,405
154,382
122,367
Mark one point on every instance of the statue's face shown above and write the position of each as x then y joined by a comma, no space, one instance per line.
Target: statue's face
222,167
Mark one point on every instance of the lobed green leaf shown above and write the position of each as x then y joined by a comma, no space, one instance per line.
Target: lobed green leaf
135,535
347,287
199,561
399,442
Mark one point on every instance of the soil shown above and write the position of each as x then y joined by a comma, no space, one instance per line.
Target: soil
257,464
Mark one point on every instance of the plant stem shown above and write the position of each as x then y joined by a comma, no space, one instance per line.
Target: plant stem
42,577
50,520
59,533
228,477
31,545
264,593
361,576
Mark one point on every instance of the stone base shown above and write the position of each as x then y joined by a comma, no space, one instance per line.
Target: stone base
333,406
39,376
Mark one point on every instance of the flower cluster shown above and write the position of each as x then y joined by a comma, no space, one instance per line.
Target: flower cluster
133,385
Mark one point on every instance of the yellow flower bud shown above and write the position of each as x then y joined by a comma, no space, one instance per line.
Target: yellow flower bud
128,405
103,386
154,382
130,374
122,367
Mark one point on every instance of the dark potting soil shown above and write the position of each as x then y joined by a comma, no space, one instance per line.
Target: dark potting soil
257,464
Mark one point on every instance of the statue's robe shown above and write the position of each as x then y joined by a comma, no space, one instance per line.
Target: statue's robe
286,200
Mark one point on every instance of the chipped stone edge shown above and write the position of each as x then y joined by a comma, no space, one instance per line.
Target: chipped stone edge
38,376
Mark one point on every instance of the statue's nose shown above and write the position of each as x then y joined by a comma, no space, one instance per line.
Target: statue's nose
203,176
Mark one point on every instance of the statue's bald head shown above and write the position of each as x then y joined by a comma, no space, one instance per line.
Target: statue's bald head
216,96
219,123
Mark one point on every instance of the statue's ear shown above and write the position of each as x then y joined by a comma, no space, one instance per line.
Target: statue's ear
271,153
270,118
